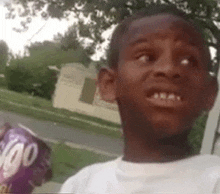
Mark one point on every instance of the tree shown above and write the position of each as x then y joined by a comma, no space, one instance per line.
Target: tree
71,40
32,73
4,52
206,13
103,14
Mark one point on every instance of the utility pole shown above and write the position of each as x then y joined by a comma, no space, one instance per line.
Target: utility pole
212,127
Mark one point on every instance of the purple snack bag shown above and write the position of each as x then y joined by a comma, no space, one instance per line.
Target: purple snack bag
24,161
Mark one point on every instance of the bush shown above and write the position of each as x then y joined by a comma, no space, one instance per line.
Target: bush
3,83
196,136
46,87
36,79
17,76
31,74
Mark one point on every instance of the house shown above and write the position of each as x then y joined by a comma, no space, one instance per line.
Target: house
76,90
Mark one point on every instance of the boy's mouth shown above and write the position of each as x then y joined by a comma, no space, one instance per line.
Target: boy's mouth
164,98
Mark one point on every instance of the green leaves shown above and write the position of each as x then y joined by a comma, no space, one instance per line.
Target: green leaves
4,52
103,14
32,75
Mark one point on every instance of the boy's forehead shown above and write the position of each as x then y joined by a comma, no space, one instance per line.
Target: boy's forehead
161,26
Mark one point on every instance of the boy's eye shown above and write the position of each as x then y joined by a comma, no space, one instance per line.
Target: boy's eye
146,58
188,61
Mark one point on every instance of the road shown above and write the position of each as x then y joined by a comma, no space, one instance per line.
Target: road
51,130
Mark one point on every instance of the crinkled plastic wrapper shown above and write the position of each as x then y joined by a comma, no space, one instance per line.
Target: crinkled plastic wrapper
24,162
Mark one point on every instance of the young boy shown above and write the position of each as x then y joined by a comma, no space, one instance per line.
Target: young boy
159,75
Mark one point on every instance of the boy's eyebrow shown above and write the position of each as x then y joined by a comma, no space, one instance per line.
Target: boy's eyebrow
190,41
178,37
138,41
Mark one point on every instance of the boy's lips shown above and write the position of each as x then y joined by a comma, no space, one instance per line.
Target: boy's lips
165,103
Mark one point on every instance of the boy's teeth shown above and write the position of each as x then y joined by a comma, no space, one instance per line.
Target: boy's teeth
156,95
171,97
164,96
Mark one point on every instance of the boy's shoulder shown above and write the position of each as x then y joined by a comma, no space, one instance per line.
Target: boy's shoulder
208,169
95,168
202,163
205,161
99,167
204,167
210,164
85,174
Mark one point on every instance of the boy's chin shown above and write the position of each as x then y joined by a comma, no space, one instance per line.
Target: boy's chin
167,127
165,131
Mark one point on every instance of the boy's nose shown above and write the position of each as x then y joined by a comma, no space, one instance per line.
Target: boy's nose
166,71
166,68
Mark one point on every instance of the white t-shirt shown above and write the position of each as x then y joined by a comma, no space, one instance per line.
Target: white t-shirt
196,175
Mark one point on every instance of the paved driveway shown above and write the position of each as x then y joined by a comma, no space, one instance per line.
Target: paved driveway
61,132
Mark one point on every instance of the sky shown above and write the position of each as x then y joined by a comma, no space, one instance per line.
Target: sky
17,41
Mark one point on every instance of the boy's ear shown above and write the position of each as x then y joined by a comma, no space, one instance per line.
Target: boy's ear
212,93
106,83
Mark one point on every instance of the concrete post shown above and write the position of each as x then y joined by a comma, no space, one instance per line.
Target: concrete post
211,126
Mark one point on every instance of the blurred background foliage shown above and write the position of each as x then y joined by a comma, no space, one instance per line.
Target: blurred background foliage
33,73
101,15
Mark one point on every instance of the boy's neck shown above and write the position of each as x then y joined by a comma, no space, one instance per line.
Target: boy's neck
148,150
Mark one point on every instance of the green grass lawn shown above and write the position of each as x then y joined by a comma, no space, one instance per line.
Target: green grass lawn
42,109
66,161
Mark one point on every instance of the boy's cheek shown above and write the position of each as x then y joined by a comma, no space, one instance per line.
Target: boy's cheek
132,75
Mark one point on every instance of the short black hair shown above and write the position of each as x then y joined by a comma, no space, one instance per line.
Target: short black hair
113,51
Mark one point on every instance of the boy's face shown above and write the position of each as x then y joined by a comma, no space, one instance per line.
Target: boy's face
162,75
